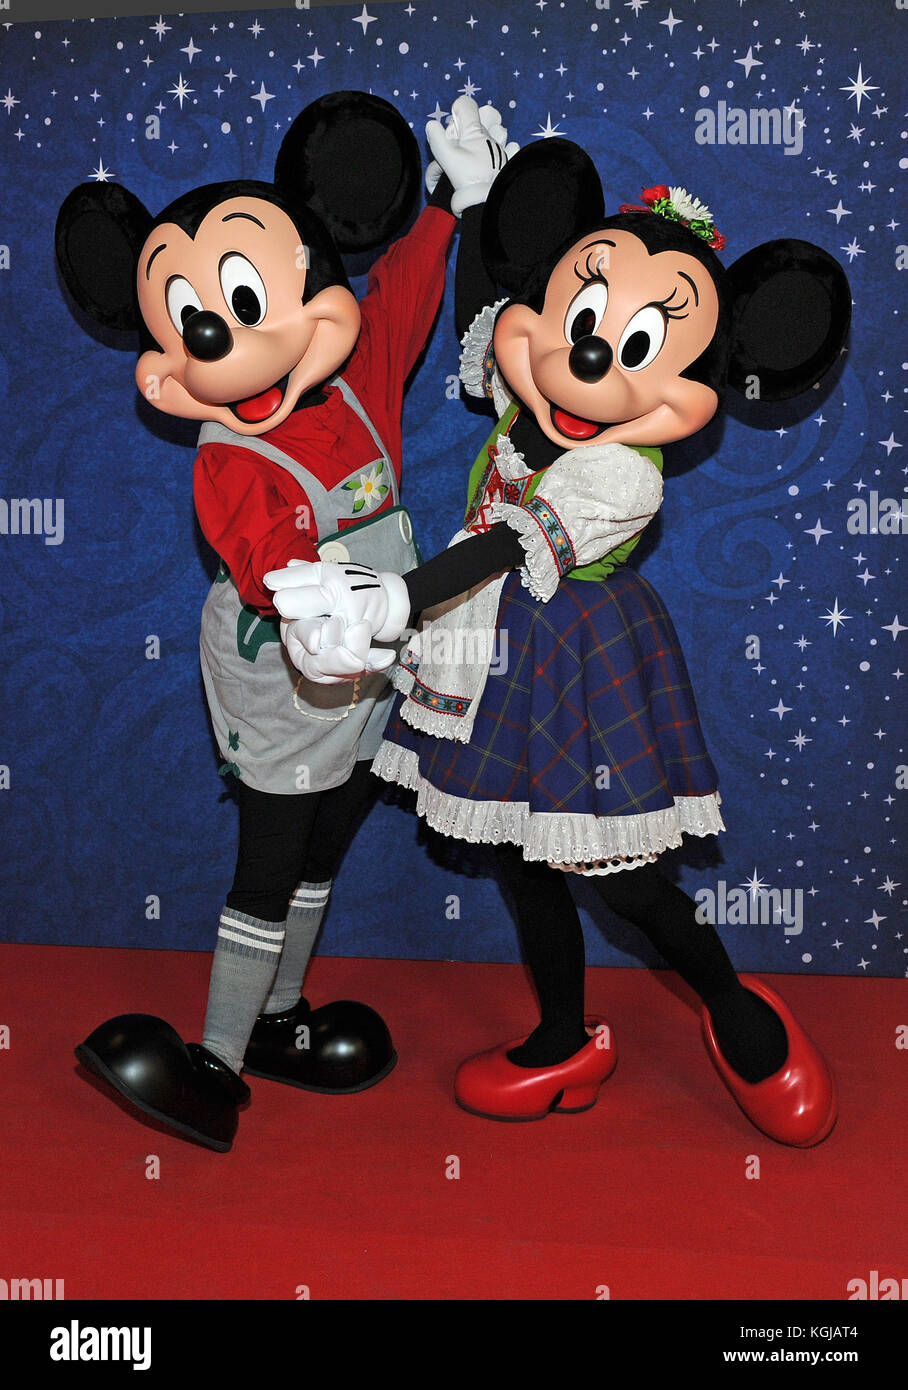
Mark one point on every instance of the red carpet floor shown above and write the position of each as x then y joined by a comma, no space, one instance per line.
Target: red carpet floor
646,1194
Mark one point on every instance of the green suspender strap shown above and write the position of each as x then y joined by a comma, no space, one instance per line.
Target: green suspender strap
485,463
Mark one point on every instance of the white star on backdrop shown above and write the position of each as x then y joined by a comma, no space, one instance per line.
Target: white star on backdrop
818,531
748,62
754,884
548,129
365,19
858,87
180,92
834,617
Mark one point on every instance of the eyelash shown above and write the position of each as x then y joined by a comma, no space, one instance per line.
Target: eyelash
592,277
673,313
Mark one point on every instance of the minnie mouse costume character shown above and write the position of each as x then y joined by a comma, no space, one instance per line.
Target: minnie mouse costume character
583,750
247,322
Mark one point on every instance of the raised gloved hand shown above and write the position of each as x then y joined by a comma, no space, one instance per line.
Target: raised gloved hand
470,150
332,611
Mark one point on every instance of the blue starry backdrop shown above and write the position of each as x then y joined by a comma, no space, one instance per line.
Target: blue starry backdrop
791,622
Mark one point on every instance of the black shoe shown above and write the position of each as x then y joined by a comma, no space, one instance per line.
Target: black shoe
183,1085
337,1049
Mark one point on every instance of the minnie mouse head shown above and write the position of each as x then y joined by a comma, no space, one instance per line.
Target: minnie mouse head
626,329
237,289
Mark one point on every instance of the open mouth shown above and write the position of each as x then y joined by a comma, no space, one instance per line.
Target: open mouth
574,426
254,409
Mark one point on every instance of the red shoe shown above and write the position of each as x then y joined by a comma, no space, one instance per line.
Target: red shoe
497,1089
798,1104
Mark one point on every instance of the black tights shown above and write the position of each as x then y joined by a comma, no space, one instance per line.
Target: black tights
750,1035
286,840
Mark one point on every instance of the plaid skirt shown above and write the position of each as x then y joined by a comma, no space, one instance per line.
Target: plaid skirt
586,747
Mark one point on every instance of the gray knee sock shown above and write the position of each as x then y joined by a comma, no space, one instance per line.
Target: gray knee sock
304,917
243,968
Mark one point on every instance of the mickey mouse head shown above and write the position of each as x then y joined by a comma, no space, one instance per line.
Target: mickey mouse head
237,288
627,328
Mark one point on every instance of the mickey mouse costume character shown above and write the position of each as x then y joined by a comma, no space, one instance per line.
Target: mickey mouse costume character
583,750
247,322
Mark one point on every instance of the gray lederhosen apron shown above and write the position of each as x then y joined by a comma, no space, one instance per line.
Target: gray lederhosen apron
276,730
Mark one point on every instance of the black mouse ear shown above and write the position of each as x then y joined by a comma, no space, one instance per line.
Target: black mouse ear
544,195
355,161
101,228
791,307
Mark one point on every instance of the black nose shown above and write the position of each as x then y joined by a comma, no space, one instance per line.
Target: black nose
207,336
590,358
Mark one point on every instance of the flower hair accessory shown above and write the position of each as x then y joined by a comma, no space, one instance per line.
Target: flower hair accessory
677,205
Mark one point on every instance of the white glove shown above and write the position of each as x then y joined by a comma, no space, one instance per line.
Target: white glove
328,652
345,589
471,150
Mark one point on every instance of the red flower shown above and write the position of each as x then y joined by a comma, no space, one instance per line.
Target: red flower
652,195
717,241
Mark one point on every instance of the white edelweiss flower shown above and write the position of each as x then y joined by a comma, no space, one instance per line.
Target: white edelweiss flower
370,491
688,207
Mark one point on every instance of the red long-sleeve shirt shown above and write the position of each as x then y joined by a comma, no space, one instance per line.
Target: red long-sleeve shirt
251,511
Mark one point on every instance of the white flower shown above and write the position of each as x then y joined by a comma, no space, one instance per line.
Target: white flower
370,491
688,207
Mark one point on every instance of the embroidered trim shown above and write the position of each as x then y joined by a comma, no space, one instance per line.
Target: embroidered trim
437,702
513,474
559,838
541,572
555,533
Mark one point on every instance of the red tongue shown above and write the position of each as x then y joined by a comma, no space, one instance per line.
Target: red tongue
260,407
572,426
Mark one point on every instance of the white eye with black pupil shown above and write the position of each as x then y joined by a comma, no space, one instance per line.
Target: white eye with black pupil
642,339
586,311
243,289
182,301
